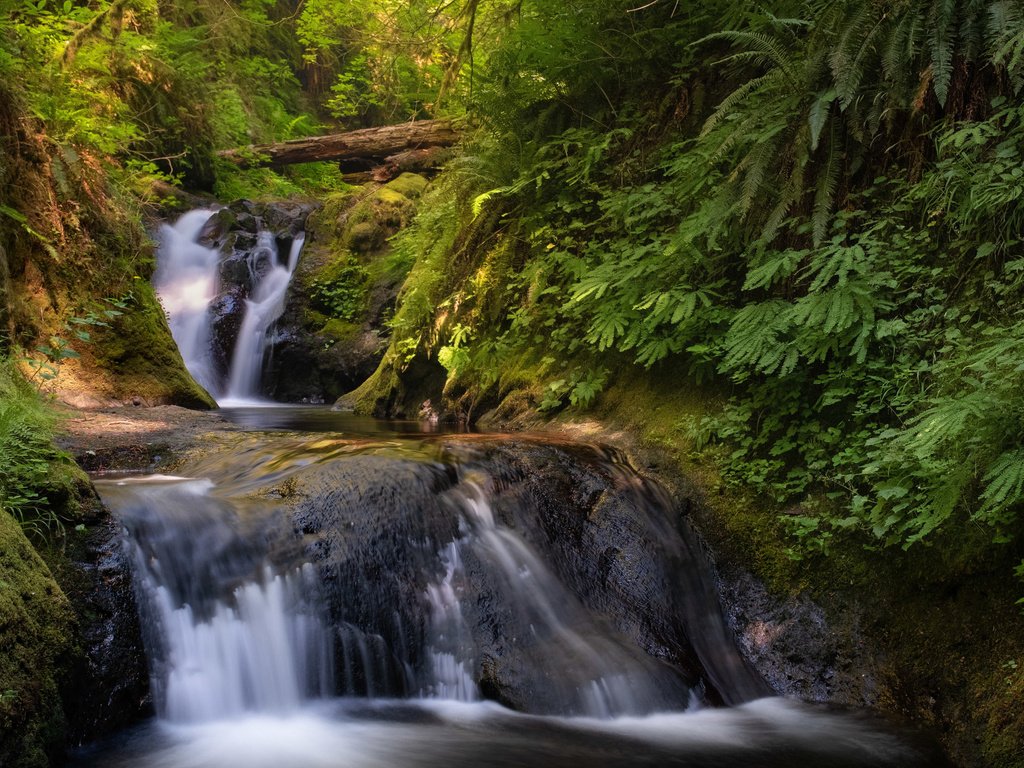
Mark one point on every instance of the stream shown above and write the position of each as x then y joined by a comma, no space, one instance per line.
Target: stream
333,590
338,591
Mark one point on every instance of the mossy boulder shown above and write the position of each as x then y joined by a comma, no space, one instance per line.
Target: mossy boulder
409,185
378,215
141,360
334,330
37,638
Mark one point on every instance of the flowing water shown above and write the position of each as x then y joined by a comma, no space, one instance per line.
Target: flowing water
187,281
339,592
366,595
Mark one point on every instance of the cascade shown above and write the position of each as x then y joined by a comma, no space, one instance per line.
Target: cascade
187,282
326,601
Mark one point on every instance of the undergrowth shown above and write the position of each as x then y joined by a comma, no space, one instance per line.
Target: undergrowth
28,455
861,308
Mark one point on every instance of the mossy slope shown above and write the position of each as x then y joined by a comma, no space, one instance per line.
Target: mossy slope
36,635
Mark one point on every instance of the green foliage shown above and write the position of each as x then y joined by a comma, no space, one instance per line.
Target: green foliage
27,454
860,307
339,290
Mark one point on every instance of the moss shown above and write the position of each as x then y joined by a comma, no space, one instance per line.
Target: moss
380,214
141,354
69,492
36,630
1002,713
409,185
340,330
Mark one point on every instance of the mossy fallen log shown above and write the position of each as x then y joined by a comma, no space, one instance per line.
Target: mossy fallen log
368,143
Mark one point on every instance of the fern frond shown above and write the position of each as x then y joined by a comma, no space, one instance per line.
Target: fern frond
1004,487
848,58
727,107
818,114
768,47
943,16
826,186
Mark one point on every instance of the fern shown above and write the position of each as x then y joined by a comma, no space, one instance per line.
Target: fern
942,19
1004,488
826,186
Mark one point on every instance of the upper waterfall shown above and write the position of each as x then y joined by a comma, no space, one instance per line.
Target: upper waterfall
188,282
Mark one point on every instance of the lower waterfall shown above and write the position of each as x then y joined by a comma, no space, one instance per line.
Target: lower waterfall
400,599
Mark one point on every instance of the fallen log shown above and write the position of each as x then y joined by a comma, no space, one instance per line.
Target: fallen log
374,144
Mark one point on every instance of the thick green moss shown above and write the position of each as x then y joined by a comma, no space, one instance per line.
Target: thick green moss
409,185
36,630
145,362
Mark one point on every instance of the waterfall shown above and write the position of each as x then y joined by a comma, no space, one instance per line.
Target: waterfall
226,634
314,603
586,668
262,310
187,282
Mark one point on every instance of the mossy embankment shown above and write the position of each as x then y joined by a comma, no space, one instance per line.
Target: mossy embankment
930,634
335,327
36,634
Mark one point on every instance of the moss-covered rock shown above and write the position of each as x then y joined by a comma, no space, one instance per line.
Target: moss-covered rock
139,362
36,635
334,330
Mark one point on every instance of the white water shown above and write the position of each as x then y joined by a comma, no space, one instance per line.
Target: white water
594,676
262,310
449,651
186,282
254,656
260,648
770,733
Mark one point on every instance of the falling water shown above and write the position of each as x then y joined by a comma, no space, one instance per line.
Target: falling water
450,650
262,310
226,634
586,666
187,282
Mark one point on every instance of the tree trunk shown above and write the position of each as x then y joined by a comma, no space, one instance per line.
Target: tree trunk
374,144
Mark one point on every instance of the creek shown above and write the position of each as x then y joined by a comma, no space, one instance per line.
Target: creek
330,590
337,591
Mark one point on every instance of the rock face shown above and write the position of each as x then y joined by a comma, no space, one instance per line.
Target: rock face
334,329
234,230
376,525
111,689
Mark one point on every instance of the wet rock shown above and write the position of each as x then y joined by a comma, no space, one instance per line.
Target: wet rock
234,269
376,527
235,230
798,652
612,539
227,312
110,690
373,526
309,367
